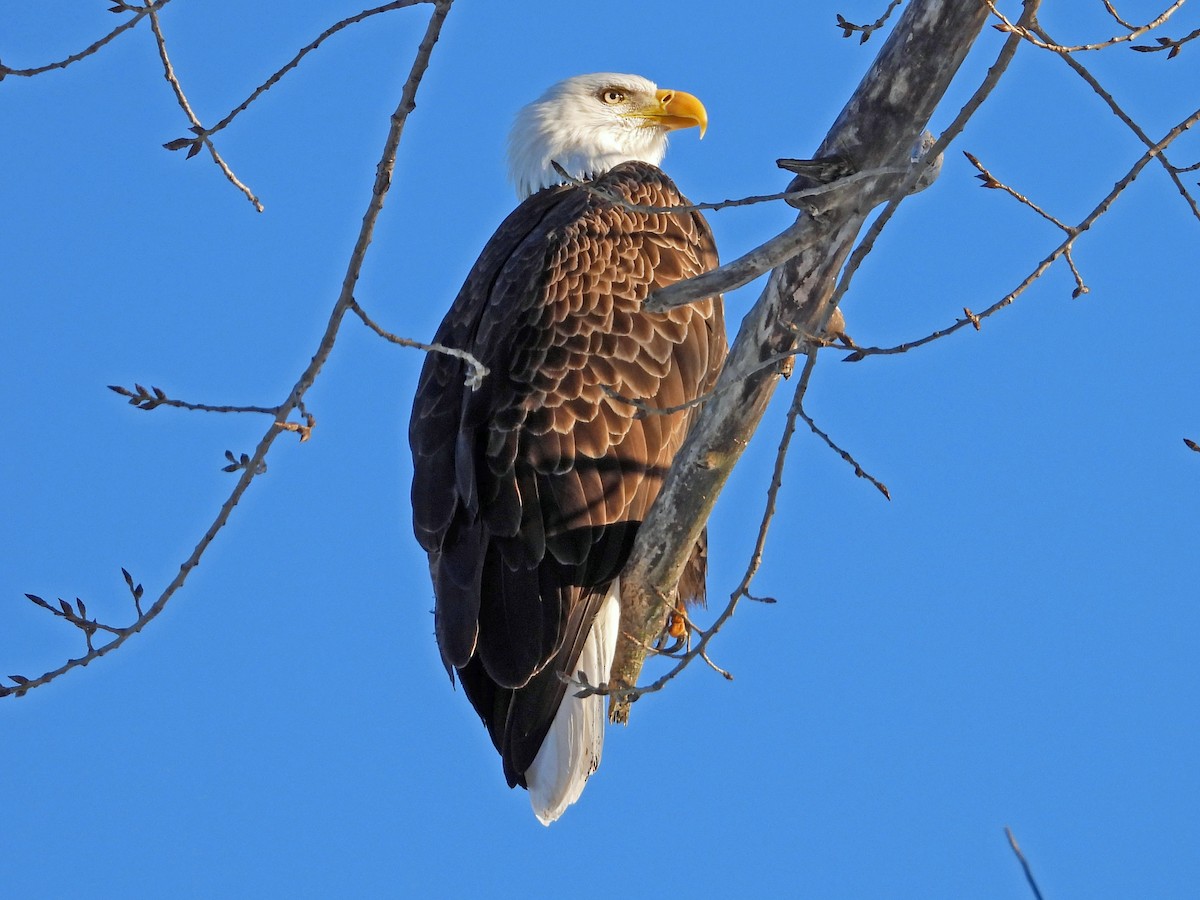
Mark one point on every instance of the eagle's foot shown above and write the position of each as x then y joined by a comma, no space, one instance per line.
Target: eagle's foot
675,636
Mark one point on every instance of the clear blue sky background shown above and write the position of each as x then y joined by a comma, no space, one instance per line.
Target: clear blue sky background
1011,641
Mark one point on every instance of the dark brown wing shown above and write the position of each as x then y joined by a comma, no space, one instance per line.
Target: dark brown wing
527,491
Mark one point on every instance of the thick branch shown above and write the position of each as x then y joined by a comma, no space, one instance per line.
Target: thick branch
877,128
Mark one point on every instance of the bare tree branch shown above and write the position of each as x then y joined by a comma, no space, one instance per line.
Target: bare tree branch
991,182
859,471
1073,234
1171,45
1016,849
627,656
177,88
981,93
1030,34
156,397
1079,69
140,12
304,51
849,28
478,371
763,258
605,194
877,128
1112,11
255,463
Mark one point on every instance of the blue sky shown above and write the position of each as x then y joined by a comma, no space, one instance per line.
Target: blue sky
1012,640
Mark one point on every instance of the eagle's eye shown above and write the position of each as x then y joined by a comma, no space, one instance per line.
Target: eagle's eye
612,96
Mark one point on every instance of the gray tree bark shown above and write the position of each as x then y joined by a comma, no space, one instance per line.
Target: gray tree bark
876,129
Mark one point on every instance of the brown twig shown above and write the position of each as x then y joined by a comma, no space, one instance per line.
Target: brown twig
844,454
140,12
156,397
1026,33
1112,11
304,51
474,377
849,28
181,98
1012,842
762,258
724,673
991,182
1172,172
153,398
709,206
1075,233
1171,45
253,465
76,615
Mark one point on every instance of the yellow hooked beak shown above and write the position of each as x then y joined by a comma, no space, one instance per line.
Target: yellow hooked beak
677,109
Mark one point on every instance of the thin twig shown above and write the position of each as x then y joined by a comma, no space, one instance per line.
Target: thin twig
1088,221
622,203
141,13
1171,45
155,397
474,378
844,454
295,60
724,673
991,182
76,616
169,74
308,376
1081,287
761,259
1112,11
1012,842
849,28
1082,71
1026,33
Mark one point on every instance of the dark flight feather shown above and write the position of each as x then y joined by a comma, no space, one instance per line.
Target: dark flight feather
528,490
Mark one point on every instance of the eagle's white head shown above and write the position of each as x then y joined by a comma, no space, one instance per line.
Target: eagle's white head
590,123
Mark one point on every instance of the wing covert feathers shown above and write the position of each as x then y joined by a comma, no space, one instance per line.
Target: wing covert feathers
527,491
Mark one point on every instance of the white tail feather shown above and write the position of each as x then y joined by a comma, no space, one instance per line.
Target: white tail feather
571,751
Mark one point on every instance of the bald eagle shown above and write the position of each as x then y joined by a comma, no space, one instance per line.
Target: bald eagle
529,487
